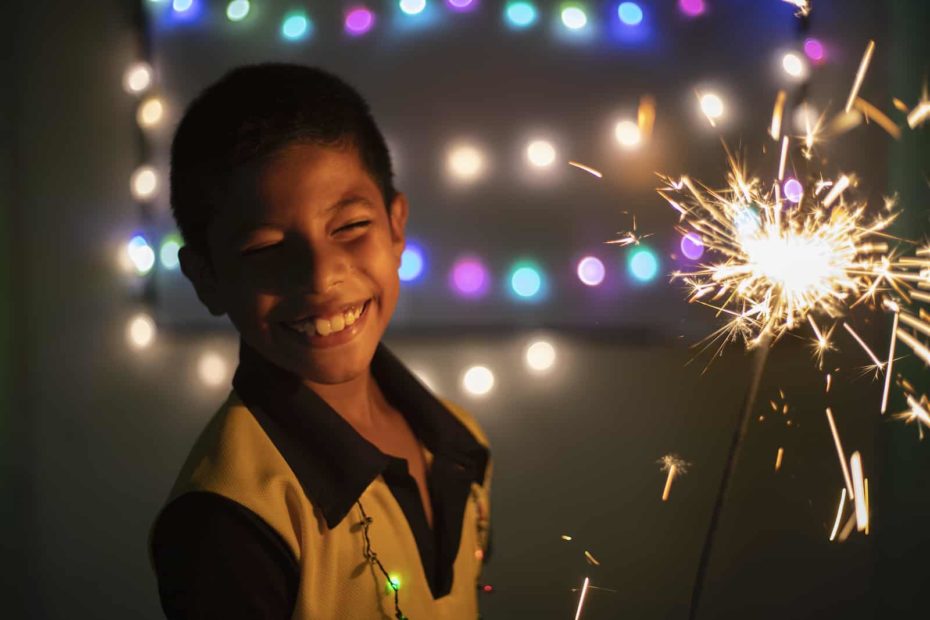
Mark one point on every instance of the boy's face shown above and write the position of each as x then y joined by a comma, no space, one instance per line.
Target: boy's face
305,234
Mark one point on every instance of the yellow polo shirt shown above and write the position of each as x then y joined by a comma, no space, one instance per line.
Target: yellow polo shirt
278,454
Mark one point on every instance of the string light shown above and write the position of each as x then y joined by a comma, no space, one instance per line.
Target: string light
526,281
478,380
138,78
143,183
540,356
411,263
574,17
521,14
692,246
212,369
168,253
461,5
692,8
712,106
793,190
628,134
237,10
814,50
794,66
540,153
140,332
643,264
630,13
469,277
296,26
591,271
140,254
359,21
412,7
465,162
150,112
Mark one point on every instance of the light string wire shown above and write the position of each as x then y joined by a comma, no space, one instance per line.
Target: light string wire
372,558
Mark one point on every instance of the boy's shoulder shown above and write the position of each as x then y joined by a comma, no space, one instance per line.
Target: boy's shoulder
232,456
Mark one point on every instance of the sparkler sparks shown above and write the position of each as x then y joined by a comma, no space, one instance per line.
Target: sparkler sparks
839,514
675,466
778,264
584,592
840,454
587,169
778,458
862,509
860,74
803,6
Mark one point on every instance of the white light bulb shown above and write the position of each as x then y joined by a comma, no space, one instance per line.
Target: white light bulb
212,369
141,331
540,153
150,112
465,163
144,183
540,356
628,134
138,77
712,105
478,380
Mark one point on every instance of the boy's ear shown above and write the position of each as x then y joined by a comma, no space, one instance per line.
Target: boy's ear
196,269
398,221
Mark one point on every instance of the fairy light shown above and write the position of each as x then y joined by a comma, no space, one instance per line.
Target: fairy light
138,78
212,369
712,107
540,356
478,380
794,66
140,332
140,254
540,153
237,10
628,134
465,162
143,183
151,112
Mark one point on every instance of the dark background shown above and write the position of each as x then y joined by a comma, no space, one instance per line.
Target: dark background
93,433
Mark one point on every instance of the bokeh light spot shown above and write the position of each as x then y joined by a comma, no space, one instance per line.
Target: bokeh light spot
478,380
692,246
591,271
643,264
411,263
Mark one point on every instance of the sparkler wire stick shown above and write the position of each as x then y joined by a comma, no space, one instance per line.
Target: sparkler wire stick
739,433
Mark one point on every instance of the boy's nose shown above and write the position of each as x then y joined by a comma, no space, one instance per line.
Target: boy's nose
320,269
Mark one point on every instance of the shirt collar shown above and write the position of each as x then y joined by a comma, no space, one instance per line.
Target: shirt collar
333,463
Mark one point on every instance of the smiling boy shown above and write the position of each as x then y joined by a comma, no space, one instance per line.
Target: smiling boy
331,483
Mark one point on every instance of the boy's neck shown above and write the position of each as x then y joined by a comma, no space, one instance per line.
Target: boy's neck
359,401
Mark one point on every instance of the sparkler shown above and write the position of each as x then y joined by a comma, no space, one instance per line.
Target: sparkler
674,466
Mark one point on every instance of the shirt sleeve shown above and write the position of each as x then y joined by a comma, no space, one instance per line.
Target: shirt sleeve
215,558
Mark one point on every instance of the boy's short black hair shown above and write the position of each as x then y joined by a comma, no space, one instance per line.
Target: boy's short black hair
253,112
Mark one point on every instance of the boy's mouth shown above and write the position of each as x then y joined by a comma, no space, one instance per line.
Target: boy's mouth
328,326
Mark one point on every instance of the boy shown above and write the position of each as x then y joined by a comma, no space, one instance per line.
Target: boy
331,483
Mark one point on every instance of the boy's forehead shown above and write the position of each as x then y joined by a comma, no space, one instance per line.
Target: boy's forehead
298,178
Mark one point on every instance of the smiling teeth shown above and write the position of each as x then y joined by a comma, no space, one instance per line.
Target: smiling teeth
325,327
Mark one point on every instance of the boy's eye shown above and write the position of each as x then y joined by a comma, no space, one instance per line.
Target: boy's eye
359,224
259,249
